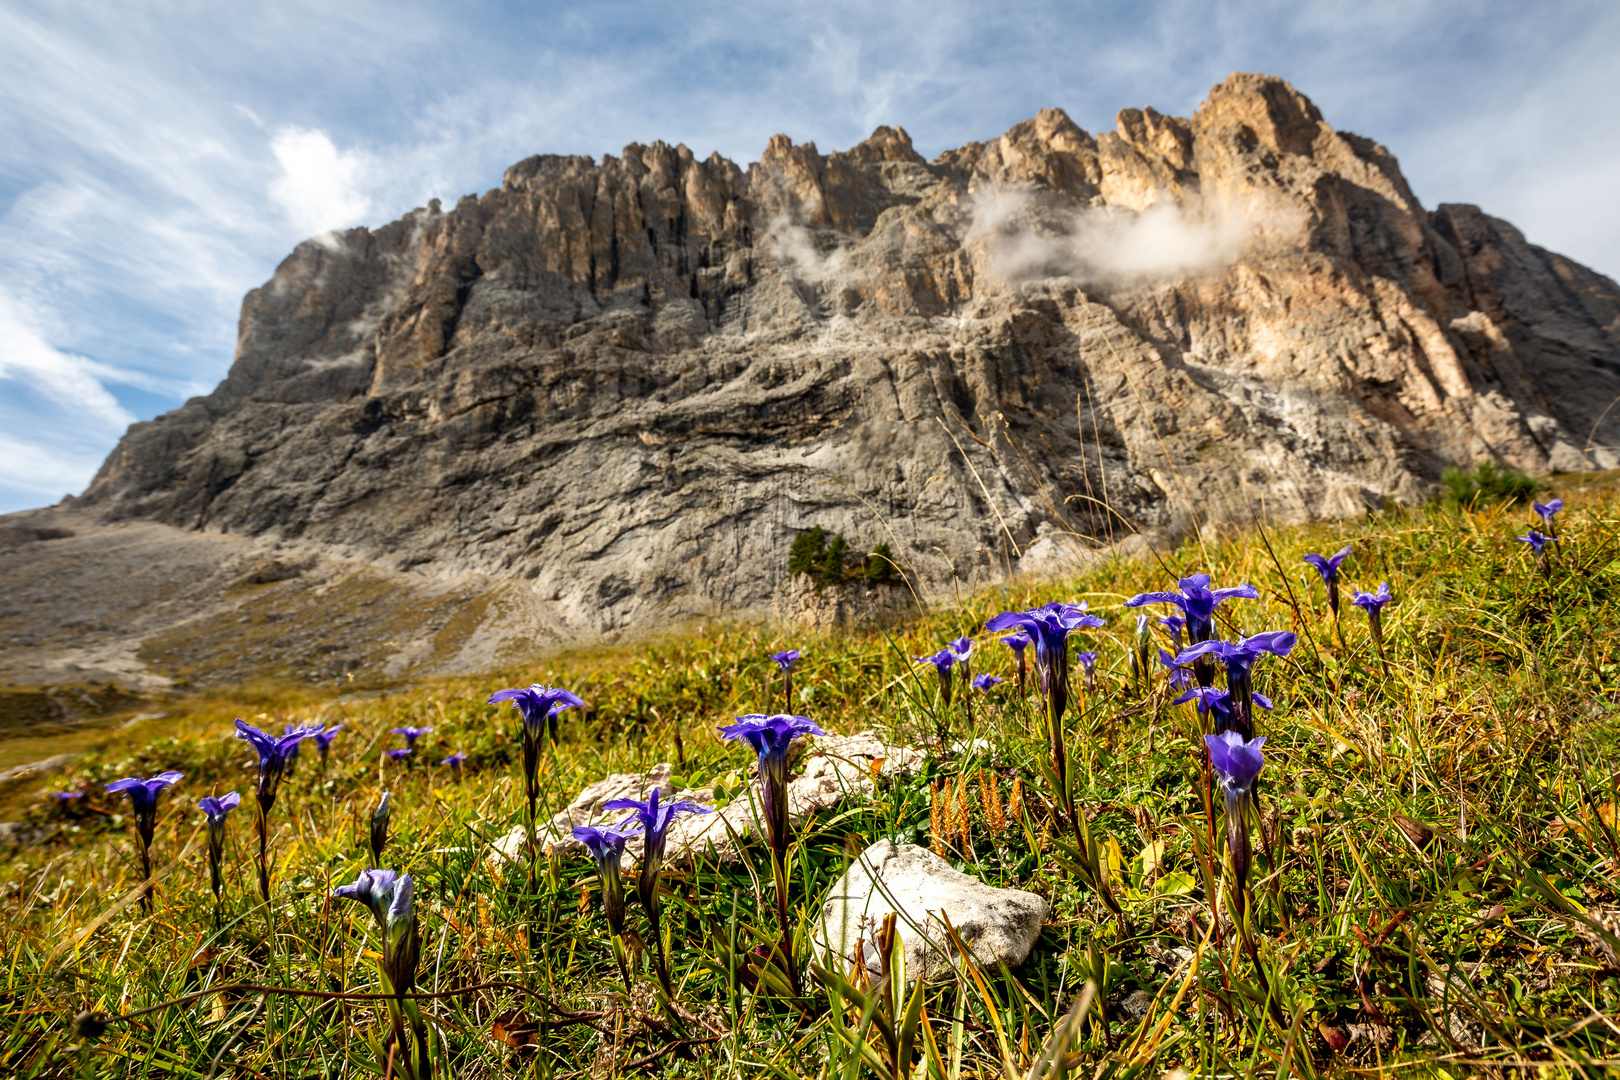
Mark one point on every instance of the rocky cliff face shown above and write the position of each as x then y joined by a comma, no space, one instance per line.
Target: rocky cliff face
627,383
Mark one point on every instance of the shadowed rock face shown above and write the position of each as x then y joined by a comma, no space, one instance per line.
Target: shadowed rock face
627,384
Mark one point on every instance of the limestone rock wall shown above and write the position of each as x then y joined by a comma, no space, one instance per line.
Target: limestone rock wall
625,384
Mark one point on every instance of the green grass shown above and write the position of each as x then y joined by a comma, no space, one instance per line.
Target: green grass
1437,835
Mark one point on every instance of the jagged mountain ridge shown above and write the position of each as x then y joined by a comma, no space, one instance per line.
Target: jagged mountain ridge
628,383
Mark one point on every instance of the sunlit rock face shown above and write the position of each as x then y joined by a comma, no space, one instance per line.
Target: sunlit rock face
625,384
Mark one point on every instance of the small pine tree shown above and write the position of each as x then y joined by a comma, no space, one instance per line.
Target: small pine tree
834,561
808,552
880,568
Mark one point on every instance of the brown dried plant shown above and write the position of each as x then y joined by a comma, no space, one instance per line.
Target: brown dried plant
990,799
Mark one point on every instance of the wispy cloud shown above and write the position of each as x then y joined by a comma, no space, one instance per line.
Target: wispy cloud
73,383
161,159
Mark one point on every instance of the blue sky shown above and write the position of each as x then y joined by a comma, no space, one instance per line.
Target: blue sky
159,160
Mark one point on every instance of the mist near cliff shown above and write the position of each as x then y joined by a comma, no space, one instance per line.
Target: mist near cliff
1113,246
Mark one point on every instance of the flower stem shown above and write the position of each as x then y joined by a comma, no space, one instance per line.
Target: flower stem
618,955
264,854
660,948
779,875
146,876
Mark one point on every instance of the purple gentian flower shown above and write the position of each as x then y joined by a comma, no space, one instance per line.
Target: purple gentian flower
1372,602
1237,761
539,706
215,809
1018,641
771,737
1373,605
379,827
985,682
606,844
1049,627
1088,664
272,764
143,799
785,661
411,734
654,818
942,661
273,754
454,761
1173,625
400,754
962,649
143,796
1328,567
388,896
1538,543
65,796
375,890
1180,677
1240,657
1537,540
1546,511
1218,703
323,741
1198,601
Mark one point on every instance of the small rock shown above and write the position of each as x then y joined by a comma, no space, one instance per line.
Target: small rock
1380,1035
1136,1006
804,602
1601,945
837,767
586,809
22,834
997,924
19,772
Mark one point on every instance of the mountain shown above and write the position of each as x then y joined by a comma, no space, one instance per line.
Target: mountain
619,388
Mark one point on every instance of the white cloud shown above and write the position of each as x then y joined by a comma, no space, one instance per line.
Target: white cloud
57,417
319,188
74,383
43,469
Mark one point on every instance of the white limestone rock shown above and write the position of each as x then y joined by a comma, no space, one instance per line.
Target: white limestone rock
996,924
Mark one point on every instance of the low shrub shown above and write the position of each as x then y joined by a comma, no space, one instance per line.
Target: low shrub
1488,482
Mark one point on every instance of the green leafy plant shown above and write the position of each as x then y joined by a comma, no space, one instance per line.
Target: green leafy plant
1488,482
